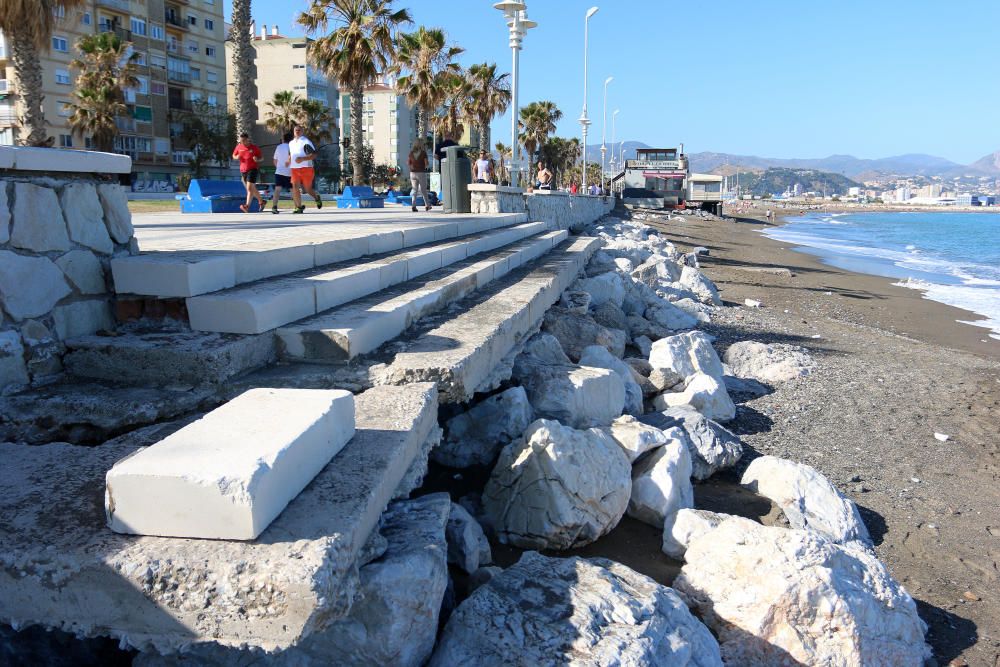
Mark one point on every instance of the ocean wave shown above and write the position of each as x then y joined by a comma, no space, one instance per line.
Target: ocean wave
982,301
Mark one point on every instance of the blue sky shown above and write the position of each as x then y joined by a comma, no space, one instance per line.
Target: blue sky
775,78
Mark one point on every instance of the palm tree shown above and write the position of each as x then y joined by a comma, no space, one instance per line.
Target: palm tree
243,58
429,63
107,66
538,121
503,150
490,97
27,25
355,52
283,111
315,117
456,91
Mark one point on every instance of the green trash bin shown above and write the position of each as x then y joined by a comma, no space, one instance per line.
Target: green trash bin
456,175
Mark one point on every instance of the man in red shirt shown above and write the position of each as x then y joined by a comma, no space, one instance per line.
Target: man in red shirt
250,157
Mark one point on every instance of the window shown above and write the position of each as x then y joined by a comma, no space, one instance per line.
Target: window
209,24
86,18
211,77
143,114
138,26
88,143
213,100
298,87
210,51
195,96
158,88
59,12
65,108
298,66
192,46
156,32
62,77
60,44
162,146
196,74
144,144
140,58
143,87
157,61
192,20
66,140
6,136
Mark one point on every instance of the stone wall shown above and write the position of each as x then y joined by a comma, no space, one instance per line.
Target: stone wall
62,217
496,199
565,210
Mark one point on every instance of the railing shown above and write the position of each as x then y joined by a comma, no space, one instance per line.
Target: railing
122,34
175,20
123,5
179,77
180,105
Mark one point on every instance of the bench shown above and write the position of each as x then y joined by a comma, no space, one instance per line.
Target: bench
208,196
359,196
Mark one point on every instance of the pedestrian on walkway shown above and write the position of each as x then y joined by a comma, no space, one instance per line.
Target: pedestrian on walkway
250,158
417,164
302,153
482,170
282,170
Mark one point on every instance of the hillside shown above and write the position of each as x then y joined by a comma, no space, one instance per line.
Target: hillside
912,164
777,180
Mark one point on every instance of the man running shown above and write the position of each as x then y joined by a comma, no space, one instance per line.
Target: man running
282,170
250,158
302,152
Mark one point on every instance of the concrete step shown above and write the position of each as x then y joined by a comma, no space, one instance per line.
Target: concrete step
271,303
66,570
367,323
216,264
461,353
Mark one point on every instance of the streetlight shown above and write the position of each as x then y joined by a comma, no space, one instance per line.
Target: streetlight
604,128
614,117
584,121
519,24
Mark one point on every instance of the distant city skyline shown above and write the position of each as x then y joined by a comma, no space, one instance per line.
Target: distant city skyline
787,80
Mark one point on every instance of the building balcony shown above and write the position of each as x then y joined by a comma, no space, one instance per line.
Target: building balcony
175,21
120,5
179,77
122,34
125,124
180,105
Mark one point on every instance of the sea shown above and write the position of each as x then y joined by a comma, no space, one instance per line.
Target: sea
953,258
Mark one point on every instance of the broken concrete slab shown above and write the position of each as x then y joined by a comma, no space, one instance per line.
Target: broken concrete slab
66,570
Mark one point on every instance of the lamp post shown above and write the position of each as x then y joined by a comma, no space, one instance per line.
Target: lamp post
614,117
584,121
604,129
516,14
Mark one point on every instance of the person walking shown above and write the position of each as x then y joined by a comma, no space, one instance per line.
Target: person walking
482,170
417,164
250,158
282,170
302,152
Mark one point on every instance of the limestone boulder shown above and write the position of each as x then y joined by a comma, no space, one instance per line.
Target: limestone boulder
557,488
695,280
116,214
600,262
575,301
636,438
577,396
775,596
684,525
665,379
705,394
771,363
807,498
38,220
468,548
85,217
574,611
656,269
644,344
636,252
475,437
661,482
696,309
670,316
542,349
575,332
639,326
30,286
611,316
13,369
604,288
481,577
84,271
713,447
687,354
596,356
81,318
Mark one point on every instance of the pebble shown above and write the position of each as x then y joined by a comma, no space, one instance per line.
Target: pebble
753,303
970,596
941,436
915,480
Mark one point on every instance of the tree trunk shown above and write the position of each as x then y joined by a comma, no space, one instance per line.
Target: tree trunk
357,133
484,136
28,70
243,57
422,124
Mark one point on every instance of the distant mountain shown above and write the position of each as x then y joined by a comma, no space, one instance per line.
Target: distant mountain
910,165
594,150
779,179
988,165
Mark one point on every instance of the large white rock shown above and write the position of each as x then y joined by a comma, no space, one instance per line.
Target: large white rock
557,488
30,286
670,316
477,436
574,611
695,280
229,474
661,483
576,332
713,447
84,271
578,396
655,269
38,219
807,498
468,547
4,215
687,354
607,287
85,217
82,318
775,596
771,363
684,525
116,214
705,394
13,370
636,438
596,356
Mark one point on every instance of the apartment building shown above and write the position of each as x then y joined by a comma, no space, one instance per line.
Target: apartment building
282,64
180,44
389,126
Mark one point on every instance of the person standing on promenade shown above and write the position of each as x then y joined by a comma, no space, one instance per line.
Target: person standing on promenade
417,164
282,170
302,151
250,157
482,170
543,180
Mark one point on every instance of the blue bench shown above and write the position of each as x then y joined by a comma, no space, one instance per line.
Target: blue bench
207,196
359,196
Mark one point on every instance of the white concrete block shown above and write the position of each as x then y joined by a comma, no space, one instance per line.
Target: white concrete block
339,287
417,236
257,264
56,159
254,308
229,474
173,274
385,242
341,250
446,231
422,261
392,271
454,252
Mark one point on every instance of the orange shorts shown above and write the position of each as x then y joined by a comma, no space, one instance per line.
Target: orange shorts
303,176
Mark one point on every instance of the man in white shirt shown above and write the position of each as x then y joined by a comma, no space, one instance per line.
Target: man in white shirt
282,170
302,151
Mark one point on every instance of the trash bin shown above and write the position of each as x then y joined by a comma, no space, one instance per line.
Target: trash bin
456,175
